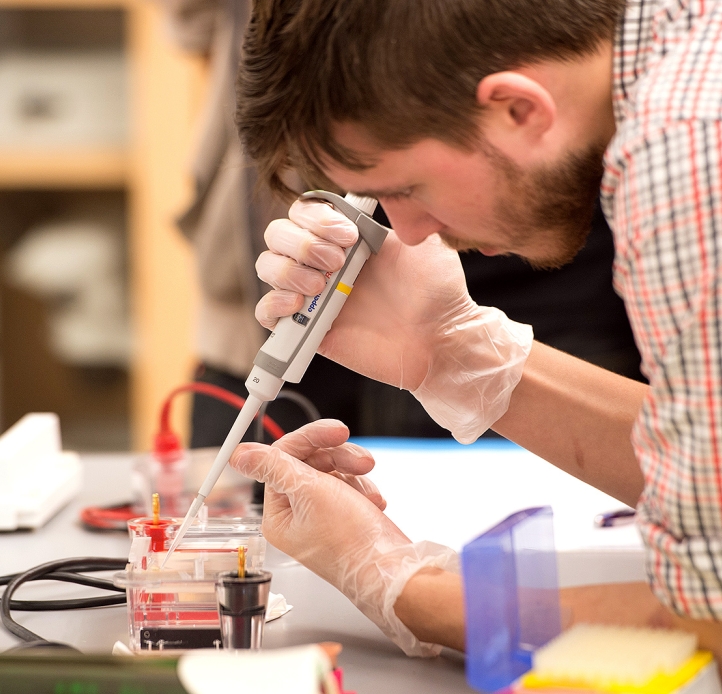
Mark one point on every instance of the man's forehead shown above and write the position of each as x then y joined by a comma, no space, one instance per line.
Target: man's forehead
388,170
393,171
379,180
385,170
355,136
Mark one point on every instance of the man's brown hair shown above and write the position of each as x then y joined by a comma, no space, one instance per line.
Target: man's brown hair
403,69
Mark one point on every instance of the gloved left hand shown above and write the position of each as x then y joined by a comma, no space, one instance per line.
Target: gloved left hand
324,514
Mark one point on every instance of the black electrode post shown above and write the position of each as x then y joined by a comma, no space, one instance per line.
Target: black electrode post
242,604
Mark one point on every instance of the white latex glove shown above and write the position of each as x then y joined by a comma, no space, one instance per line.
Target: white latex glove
333,523
409,320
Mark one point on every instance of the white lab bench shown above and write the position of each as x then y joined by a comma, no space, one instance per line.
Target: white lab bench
442,491
436,490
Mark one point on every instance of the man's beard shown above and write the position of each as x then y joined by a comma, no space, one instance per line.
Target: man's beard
556,203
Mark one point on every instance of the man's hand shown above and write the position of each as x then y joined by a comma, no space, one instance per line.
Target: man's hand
318,505
389,325
320,510
409,320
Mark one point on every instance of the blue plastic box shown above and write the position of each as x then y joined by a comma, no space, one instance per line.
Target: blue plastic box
511,597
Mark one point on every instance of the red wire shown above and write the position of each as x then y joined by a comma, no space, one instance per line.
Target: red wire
167,447
215,392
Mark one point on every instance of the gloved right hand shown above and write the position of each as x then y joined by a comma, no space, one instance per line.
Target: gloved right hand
408,322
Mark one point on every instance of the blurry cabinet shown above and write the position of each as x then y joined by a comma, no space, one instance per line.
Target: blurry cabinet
137,163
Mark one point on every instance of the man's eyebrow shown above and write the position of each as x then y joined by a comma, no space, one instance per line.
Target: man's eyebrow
388,192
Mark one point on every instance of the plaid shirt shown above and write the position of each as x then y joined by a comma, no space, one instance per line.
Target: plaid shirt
662,192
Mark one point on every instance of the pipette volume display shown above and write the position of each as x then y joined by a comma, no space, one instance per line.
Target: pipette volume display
288,351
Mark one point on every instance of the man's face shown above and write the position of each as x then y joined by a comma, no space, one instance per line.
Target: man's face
479,199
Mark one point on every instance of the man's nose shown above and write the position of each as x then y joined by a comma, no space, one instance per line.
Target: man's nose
411,226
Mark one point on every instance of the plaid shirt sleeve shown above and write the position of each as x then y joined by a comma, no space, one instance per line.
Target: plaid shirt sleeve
667,218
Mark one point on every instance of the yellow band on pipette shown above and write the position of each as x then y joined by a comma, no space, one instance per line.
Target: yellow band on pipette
344,288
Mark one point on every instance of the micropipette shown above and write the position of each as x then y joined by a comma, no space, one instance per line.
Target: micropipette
288,351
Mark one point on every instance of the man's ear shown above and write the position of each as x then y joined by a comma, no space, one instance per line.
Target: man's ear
518,111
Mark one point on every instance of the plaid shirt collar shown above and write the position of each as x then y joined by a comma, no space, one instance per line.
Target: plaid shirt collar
634,44
632,49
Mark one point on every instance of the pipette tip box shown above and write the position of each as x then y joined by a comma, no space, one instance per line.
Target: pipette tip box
514,642
608,659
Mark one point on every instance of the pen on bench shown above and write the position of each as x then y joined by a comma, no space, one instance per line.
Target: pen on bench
624,516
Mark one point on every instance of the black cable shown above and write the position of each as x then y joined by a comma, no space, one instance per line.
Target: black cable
308,408
70,604
44,572
43,646
70,577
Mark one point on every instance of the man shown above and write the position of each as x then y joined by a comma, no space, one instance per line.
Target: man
489,126
226,223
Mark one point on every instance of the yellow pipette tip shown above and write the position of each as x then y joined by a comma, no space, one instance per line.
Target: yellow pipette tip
156,508
241,562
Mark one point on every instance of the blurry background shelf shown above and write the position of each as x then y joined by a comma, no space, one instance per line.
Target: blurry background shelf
64,169
148,177
69,4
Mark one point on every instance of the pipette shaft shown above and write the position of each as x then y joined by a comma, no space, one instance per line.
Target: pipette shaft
286,354
238,430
